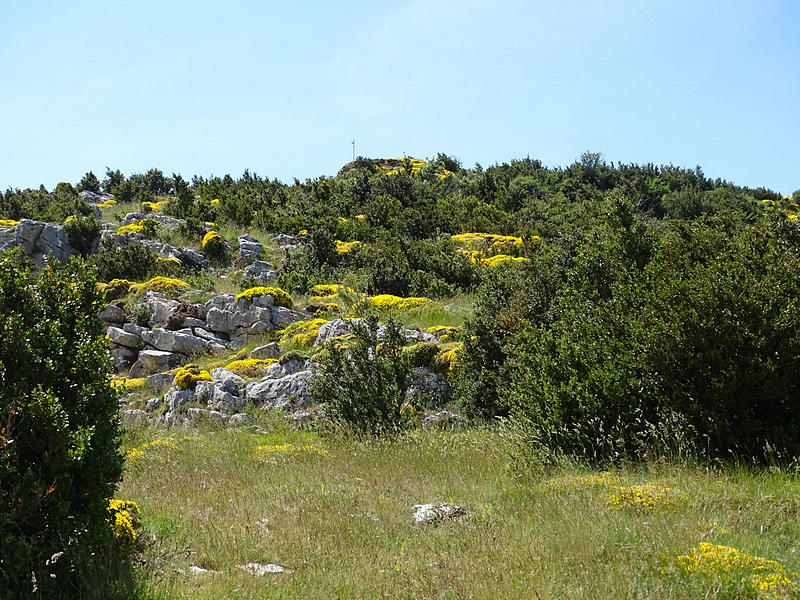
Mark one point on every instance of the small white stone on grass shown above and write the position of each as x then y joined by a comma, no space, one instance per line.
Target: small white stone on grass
259,569
195,570
436,513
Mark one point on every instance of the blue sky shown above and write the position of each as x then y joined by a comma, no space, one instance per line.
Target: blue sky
281,89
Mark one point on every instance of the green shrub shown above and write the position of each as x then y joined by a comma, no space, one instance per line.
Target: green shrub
89,182
124,191
59,439
133,261
82,233
362,383
704,326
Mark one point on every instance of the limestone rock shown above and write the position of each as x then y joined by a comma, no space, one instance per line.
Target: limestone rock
170,223
132,418
172,341
437,513
160,307
431,389
123,338
175,398
443,419
227,378
287,393
160,381
263,272
113,314
249,249
155,361
271,350
283,317
122,357
38,240
259,569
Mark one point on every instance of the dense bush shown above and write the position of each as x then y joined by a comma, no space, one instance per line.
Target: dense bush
82,233
133,261
363,380
699,326
90,183
59,444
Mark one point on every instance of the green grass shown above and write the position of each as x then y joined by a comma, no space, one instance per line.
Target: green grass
342,521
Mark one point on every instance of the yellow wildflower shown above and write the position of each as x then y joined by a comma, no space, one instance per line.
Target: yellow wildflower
302,333
280,297
250,367
188,375
345,247
158,284
411,304
130,228
644,498
761,577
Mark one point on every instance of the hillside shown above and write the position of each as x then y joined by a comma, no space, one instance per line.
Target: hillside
562,361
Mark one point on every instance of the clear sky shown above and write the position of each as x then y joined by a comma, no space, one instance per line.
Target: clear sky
281,88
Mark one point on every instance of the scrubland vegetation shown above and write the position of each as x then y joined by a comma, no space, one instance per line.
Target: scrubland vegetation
620,350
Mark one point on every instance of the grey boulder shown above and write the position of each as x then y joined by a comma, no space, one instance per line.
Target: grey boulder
287,393
155,361
173,341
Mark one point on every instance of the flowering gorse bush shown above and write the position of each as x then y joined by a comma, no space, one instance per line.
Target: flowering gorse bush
302,333
130,228
390,302
165,285
643,498
751,576
124,519
214,245
345,247
250,367
188,376
280,297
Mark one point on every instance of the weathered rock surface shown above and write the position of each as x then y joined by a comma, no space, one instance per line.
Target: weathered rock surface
340,327
170,223
443,419
432,389
133,417
227,378
286,393
37,240
250,250
174,341
261,271
437,513
94,197
155,361
123,338
259,569
122,357
175,398
271,350
113,314
159,382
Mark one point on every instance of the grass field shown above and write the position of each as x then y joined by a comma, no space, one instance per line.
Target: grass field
339,515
